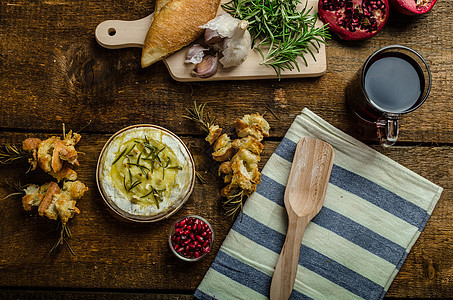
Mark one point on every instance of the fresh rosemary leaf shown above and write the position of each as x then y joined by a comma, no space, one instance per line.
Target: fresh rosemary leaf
175,168
133,146
119,156
140,166
133,185
144,196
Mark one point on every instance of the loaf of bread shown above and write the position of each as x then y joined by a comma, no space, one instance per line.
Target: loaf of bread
176,24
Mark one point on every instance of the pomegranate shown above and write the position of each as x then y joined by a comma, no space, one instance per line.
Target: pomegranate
354,19
413,7
191,237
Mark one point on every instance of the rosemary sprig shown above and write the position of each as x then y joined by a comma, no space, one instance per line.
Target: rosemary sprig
65,236
196,113
19,189
233,204
280,32
11,155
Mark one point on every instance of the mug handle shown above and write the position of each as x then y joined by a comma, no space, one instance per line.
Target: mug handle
387,131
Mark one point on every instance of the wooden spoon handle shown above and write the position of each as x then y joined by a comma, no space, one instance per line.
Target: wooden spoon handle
116,34
286,268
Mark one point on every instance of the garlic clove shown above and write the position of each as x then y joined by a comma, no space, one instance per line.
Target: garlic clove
195,54
207,67
212,36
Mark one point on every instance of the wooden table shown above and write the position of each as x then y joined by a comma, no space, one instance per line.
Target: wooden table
52,71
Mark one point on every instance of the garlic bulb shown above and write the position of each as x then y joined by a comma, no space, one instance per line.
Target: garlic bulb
236,38
224,25
237,47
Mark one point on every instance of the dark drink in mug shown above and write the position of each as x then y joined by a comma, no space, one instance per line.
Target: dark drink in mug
394,80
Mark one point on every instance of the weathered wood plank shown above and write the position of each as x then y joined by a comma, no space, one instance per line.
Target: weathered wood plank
112,254
52,70
88,295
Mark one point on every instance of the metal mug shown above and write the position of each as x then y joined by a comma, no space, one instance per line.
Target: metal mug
385,88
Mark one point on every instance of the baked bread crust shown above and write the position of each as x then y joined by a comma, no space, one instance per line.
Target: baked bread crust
176,25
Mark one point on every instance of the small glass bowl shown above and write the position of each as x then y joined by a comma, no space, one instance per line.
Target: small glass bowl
197,238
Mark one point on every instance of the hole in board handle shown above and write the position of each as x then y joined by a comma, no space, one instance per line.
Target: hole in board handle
111,31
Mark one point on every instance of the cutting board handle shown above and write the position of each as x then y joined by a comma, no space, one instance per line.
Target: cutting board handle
116,34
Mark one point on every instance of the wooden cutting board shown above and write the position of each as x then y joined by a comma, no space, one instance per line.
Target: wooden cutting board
116,34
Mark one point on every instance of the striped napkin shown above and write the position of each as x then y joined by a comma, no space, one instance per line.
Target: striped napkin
373,213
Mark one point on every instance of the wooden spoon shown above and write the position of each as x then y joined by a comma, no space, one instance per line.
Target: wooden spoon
304,197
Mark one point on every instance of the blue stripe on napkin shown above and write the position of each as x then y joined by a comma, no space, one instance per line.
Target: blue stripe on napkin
271,190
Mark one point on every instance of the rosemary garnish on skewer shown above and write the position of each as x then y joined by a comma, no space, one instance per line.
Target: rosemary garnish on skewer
11,154
234,203
65,235
197,115
278,26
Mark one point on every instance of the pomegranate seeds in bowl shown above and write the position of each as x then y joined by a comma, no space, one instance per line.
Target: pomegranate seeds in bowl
191,238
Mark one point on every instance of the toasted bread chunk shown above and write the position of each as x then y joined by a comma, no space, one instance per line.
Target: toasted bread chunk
64,173
225,168
31,145
222,148
253,131
176,25
45,208
214,133
247,156
45,151
34,195
57,163
75,189
31,197
250,143
223,141
65,207
253,120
